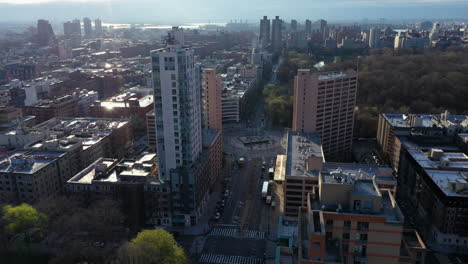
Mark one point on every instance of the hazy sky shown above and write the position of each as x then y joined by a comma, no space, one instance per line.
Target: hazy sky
179,11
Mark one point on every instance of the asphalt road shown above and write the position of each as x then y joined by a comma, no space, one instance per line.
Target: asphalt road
246,221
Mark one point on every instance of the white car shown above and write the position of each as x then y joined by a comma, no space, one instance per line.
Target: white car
217,216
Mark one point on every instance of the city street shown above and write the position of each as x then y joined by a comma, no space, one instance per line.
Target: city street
247,224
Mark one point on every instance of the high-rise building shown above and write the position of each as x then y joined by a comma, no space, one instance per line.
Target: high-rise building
324,103
88,28
45,33
308,26
177,107
434,35
98,26
212,99
293,25
264,38
177,35
374,38
277,36
322,25
71,28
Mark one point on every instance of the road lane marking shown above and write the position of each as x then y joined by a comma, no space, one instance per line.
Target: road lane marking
224,259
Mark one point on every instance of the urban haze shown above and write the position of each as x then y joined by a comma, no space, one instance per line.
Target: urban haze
233,132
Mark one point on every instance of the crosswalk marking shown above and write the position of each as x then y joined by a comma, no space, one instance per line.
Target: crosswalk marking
231,232
224,259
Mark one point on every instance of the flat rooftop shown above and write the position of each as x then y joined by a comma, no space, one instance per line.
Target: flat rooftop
301,146
348,172
332,75
365,188
112,171
451,183
428,120
123,102
389,208
27,161
402,120
446,160
80,124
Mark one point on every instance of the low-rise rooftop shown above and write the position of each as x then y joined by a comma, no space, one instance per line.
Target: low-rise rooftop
113,171
27,161
300,147
81,124
348,172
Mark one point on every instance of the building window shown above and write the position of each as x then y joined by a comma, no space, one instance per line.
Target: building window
347,224
345,236
362,226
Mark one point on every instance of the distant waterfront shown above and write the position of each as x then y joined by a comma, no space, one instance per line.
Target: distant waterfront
154,26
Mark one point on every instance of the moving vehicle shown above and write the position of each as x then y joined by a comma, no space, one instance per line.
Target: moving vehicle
264,189
241,162
268,199
273,204
217,216
271,172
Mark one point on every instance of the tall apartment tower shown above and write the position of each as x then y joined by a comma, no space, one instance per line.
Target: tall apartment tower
374,38
98,26
293,25
177,107
212,98
308,26
434,35
88,28
264,38
277,35
324,103
71,28
177,35
45,34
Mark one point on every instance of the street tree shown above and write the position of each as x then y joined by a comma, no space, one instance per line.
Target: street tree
152,247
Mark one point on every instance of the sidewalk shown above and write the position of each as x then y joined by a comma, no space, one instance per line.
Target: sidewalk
203,226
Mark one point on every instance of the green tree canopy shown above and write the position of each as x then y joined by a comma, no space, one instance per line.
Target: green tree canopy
152,247
23,218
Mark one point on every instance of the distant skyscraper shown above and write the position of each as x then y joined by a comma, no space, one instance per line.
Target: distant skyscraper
177,107
45,34
264,38
71,28
322,25
323,29
325,103
308,26
293,25
277,36
98,27
434,35
212,99
88,28
374,38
